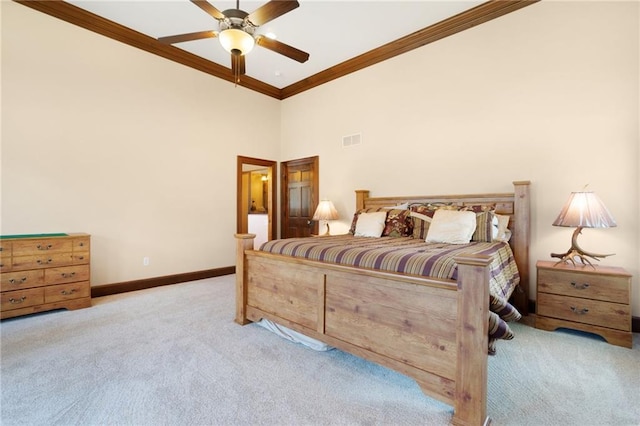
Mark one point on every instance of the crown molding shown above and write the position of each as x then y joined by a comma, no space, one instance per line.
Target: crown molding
480,14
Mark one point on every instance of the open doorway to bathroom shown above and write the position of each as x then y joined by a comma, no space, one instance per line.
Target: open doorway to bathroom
256,198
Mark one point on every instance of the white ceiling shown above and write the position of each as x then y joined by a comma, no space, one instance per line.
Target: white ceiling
330,31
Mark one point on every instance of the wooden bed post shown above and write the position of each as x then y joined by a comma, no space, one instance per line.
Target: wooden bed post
522,240
243,242
361,195
470,402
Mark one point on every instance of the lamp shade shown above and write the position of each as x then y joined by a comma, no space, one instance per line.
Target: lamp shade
586,210
325,211
236,41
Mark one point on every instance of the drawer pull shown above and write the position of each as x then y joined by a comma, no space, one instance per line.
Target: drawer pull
40,262
579,311
16,301
41,247
580,286
65,275
68,293
20,281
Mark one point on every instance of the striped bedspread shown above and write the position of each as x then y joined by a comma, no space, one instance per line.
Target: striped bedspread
404,254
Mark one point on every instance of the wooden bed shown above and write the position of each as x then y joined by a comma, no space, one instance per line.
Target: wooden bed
384,316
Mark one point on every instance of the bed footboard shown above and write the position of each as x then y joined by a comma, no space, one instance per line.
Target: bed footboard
434,331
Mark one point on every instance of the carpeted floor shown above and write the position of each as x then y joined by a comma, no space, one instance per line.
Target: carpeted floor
173,356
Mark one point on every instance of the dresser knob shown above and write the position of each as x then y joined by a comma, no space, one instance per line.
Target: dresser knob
47,247
68,293
579,311
65,275
16,301
580,286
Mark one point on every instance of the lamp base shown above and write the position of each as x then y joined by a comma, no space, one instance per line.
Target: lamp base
576,253
326,233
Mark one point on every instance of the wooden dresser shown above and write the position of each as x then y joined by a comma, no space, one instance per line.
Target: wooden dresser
593,299
44,272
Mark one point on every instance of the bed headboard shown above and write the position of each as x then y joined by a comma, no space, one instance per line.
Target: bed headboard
515,204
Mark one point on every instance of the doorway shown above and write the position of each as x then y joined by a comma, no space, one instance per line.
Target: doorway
256,198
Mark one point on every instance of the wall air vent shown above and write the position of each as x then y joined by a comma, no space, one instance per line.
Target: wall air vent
351,140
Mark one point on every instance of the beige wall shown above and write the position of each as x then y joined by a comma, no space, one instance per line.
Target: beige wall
547,94
140,152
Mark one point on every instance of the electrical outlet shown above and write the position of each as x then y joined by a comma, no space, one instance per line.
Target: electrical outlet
145,261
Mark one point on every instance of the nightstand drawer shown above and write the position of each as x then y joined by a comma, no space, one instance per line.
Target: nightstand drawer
590,285
595,312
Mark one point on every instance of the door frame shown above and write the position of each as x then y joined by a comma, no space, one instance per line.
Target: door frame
272,205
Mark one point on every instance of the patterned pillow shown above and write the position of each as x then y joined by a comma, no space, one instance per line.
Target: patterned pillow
504,309
498,328
398,224
421,215
484,221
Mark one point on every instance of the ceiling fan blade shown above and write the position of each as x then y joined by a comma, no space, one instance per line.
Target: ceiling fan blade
283,49
207,7
238,65
188,37
271,10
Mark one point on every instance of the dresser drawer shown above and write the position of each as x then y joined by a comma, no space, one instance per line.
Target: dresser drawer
80,258
43,260
81,244
20,280
22,298
67,274
594,312
609,288
39,246
57,293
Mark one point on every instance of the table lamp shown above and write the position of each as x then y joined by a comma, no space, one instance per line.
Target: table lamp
325,211
582,210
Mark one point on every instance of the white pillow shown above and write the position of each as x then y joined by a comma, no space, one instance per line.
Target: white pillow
370,224
501,233
451,227
403,206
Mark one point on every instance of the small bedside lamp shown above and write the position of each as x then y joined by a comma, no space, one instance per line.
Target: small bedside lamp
325,211
582,210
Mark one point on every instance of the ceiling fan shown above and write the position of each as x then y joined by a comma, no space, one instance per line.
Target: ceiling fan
237,32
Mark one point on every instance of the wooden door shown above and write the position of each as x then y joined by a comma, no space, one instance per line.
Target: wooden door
299,197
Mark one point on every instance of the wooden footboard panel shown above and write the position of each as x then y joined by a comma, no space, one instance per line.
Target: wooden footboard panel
413,325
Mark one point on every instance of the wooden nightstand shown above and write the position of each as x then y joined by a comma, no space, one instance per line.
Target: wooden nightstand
587,299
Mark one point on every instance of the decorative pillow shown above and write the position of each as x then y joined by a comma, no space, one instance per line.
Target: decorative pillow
352,229
504,309
499,329
502,233
484,221
420,224
421,217
398,223
370,224
451,227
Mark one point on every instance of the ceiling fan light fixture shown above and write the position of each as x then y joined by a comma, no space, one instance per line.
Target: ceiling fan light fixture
235,40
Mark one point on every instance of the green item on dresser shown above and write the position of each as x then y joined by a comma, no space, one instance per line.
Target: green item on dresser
6,237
